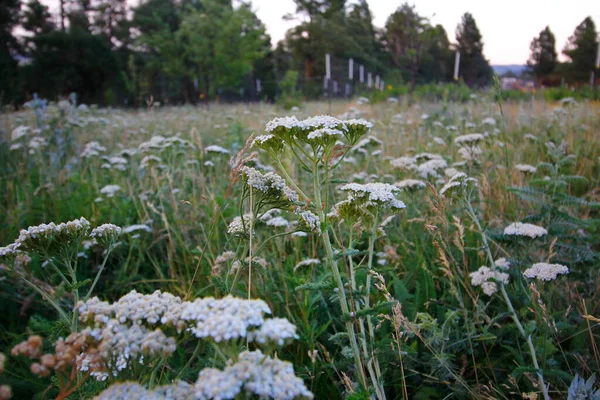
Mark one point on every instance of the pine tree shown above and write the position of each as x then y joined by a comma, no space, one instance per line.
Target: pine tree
582,49
474,68
407,35
9,17
36,18
543,58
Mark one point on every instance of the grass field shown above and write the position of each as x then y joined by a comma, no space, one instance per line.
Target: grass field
386,255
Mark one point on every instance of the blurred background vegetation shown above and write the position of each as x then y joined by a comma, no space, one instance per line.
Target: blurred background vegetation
190,51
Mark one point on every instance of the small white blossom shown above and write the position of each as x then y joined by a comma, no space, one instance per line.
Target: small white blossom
526,168
216,149
545,271
110,190
524,229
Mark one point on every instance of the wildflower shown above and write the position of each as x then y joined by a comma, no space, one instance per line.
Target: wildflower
19,132
459,181
324,136
274,330
268,142
110,190
489,288
545,271
526,168
240,226
126,391
105,235
9,253
406,163
216,149
51,237
524,229
150,161
135,228
379,194
428,156
253,374
430,168
310,221
410,184
224,319
502,263
470,153
489,121
278,222
488,279
469,139
279,124
270,184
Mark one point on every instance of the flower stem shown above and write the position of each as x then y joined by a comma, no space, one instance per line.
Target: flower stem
340,284
508,302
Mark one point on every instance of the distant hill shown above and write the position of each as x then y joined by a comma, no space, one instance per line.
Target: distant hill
502,69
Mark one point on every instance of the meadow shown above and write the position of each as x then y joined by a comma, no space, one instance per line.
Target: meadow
394,251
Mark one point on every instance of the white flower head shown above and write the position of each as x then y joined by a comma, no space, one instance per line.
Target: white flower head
216,149
110,190
526,168
469,139
105,235
410,184
545,271
525,230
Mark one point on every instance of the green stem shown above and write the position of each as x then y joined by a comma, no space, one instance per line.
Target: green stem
340,284
88,294
49,299
289,179
508,302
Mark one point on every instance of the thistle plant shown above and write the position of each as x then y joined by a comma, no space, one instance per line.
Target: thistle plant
319,144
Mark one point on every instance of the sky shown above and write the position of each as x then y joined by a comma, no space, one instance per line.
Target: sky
507,26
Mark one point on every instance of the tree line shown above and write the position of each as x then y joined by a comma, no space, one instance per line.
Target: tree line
188,51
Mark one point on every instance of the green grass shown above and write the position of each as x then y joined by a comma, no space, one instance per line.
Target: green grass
455,341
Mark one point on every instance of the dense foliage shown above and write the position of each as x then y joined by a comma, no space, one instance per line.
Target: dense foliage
450,249
193,51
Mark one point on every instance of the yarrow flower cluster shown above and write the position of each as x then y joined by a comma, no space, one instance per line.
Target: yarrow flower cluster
106,234
545,271
178,390
50,237
410,184
525,230
309,220
270,184
9,253
253,374
92,149
485,278
138,326
469,139
526,168
459,182
240,226
216,149
325,127
374,194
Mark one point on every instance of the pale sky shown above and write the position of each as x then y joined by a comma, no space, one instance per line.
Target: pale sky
507,26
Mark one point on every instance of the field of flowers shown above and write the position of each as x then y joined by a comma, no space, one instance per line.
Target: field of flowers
393,251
